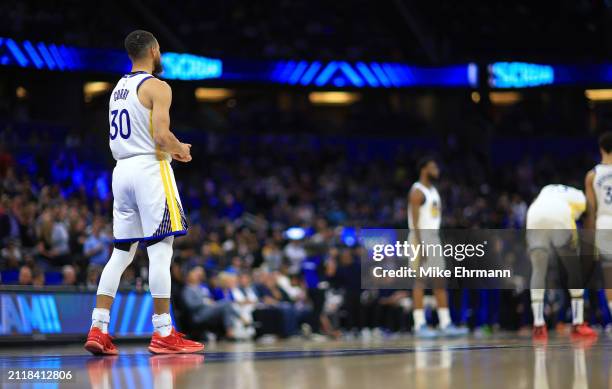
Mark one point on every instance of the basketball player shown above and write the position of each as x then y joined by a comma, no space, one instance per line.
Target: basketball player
424,218
551,230
146,205
598,190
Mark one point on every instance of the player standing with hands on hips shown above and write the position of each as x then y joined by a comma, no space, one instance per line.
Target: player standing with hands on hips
146,207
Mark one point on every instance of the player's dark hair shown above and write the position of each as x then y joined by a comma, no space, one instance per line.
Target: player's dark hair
605,141
423,162
138,42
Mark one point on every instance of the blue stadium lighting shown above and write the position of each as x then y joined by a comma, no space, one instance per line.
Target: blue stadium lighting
56,55
46,55
17,54
310,73
59,57
38,62
177,66
373,75
380,74
520,75
297,72
367,74
190,67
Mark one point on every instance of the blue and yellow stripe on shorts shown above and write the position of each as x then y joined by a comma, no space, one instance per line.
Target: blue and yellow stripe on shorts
173,220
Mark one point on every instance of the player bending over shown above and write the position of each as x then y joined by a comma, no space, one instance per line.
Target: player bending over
146,207
551,230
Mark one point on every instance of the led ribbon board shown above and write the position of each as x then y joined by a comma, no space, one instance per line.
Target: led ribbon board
520,75
64,58
340,74
526,75
177,66
31,313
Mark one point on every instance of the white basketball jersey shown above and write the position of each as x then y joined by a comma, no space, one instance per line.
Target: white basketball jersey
602,186
430,212
131,129
558,196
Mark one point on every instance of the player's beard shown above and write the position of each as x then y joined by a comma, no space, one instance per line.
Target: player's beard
433,178
157,66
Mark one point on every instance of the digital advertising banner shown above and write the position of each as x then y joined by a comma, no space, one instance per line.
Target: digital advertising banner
45,314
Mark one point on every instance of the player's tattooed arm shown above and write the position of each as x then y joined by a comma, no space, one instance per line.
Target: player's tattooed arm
161,98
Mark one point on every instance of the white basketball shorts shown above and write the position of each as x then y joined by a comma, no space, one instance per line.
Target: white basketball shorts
550,223
146,201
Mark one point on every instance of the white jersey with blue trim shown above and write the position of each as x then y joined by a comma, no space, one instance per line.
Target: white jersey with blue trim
602,186
131,129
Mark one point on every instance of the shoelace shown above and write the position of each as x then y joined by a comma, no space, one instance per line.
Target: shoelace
180,336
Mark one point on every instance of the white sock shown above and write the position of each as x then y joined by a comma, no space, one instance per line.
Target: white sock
537,307
418,315
162,324
444,317
100,318
577,311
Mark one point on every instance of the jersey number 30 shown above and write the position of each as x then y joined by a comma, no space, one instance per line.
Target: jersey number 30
124,116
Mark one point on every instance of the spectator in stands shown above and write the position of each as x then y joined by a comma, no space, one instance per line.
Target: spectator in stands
25,275
271,254
205,311
11,255
60,238
38,278
54,244
345,274
96,246
245,299
295,253
93,275
69,276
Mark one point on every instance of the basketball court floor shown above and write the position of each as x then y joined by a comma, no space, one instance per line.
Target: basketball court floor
503,361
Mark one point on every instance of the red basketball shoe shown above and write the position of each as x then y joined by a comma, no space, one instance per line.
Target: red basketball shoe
99,343
540,333
583,331
175,343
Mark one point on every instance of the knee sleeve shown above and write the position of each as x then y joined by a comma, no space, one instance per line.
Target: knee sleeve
539,266
160,256
576,293
116,265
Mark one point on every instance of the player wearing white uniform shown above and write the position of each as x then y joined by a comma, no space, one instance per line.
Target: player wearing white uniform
551,230
146,205
424,219
598,189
